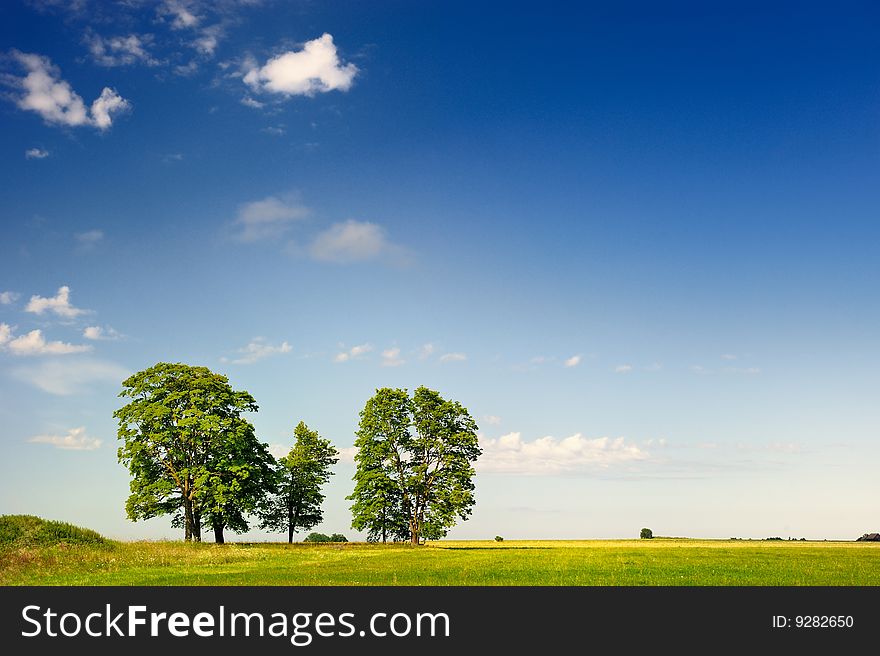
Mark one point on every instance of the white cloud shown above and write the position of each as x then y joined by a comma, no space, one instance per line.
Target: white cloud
268,218
353,241
510,454
279,450
247,101
353,353
75,440
573,361
259,349
391,357
33,343
181,12
89,239
107,104
36,153
314,69
623,368
492,420
347,453
425,351
44,92
728,356
453,357
71,375
7,298
208,40
59,304
101,333
120,50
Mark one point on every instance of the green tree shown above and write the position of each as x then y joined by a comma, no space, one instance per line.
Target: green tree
646,534
188,449
415,470
299,477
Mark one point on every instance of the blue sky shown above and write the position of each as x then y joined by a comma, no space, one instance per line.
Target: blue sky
639,243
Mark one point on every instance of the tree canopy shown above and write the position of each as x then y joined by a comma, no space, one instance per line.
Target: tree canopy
189,450
415,472
295,502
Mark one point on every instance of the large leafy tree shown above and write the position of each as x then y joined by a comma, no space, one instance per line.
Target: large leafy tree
299,476
415,458
189,450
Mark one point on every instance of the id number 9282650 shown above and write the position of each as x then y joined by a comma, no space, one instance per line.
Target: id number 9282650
813,622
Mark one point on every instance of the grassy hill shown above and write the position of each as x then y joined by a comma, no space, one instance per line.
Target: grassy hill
18,531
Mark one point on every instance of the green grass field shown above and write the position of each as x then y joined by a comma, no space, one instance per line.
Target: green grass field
618,562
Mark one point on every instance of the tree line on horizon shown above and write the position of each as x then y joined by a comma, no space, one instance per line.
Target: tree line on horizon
193,456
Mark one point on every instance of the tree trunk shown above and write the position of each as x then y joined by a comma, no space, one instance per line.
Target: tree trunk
291,524
187,520
290,534
196,526
218,531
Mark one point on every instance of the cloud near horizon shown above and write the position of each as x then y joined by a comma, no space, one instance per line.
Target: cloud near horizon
74,375
76,439
259,349
510,454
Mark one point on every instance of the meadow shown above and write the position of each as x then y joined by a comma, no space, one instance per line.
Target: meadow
549,563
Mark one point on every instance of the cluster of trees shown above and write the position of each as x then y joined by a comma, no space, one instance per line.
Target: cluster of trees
192,454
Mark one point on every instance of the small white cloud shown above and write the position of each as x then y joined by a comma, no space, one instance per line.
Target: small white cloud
510,454
538,359
33,343
749,371
247,101
101,333
208,40
268,218
75,440
353,241
391,357
68,376
107,104
425,351
492,420
347,453
259,349
698,369
623,368
728,356
89,239
353,353
275,130
279,450
7,298
59,304
181,12
36,153
654,367
314,69
120,50
44,92
573,361
453,357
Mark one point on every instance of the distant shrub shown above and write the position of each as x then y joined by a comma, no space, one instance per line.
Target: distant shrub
317,537
780,539
498,538
31,531
338,537
646,534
